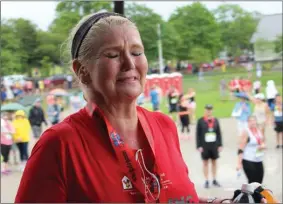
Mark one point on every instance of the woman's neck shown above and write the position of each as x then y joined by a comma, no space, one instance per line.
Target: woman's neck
123,117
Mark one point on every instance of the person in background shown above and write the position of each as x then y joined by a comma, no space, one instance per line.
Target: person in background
261,112
223,66
249,69
7,130
76,102
36,118
29,86
256,87
70,81
3,94
184,116
200,73
22,136
140,99
54,112
41,86
242,111
154,98
209,143
271,92
251,152
258,70
223,88
234,86
278,120
36,86
191,97
173,96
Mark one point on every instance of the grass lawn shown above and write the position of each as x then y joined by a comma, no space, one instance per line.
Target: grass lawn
207,91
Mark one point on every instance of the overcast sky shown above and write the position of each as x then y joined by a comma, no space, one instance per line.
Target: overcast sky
43,12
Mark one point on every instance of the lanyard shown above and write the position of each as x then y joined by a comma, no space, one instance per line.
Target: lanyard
131,165
257,135
210,122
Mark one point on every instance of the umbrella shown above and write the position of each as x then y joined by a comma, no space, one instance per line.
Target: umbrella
59,92
12,107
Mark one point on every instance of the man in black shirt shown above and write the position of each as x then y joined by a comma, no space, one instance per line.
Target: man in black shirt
36,118
209,142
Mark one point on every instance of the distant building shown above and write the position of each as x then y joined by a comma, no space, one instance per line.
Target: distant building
268,28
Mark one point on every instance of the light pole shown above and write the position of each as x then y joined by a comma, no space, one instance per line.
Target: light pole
119,7
160,55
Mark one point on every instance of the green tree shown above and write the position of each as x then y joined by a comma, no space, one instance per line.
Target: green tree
46,66
170,41
18,45
68,14
146,21
49,45
236,25
278,44
196,27
200,55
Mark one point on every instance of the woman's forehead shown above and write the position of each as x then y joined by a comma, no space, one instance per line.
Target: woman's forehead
118,36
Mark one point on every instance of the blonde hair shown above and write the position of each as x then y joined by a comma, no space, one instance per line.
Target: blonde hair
88,48
90,44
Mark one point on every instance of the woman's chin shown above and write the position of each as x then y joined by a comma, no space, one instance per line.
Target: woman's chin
129,93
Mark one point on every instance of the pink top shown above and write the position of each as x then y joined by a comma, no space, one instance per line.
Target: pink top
6,132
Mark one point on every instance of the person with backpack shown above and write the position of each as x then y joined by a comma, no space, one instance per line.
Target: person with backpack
36,118
54,112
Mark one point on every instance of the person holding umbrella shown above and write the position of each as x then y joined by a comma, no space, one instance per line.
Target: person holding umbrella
36,118
242,111
209,142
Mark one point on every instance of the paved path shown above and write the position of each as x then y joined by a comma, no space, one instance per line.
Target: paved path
226,173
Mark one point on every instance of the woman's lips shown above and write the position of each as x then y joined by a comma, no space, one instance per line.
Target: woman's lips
127,80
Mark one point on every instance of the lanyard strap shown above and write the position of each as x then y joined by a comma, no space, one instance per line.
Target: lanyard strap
128,161
210,122
257,135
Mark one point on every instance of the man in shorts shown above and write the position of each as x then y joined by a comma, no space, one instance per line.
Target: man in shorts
209,143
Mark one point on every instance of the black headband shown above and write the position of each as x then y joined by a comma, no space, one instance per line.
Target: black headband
85,27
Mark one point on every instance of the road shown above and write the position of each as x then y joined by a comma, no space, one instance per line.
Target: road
226,171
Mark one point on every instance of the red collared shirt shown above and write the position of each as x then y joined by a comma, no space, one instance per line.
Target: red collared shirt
74,162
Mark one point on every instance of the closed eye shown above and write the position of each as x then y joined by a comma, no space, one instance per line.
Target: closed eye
137,53
111,56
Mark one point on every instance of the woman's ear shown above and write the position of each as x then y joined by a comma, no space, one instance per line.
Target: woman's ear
76,65
81,72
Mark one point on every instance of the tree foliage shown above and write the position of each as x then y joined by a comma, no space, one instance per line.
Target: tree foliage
197,27
279,44
236,26
192,32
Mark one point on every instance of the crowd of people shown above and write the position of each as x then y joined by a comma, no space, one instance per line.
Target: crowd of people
251,124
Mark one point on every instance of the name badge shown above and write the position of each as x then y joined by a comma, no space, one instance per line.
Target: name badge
259,153
210,137
210,130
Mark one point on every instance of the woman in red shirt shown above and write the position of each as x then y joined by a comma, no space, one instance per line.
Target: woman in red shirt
112,150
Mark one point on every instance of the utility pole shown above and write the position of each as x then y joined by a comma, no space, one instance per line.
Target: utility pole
160,55
119,7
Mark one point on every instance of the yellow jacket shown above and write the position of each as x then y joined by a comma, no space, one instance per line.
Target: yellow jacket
22,130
